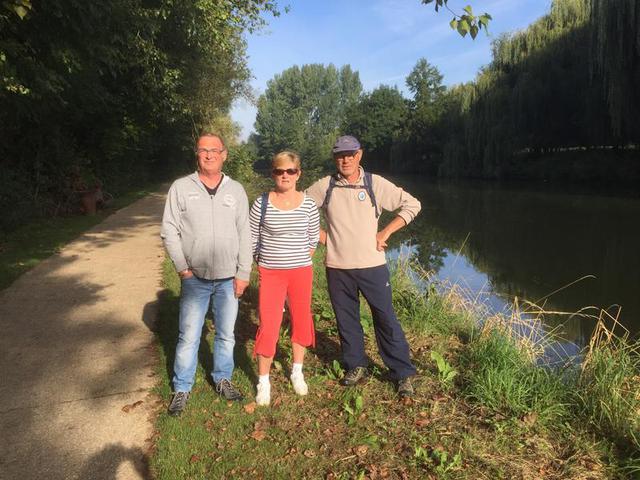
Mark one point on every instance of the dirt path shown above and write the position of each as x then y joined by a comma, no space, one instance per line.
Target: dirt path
76,347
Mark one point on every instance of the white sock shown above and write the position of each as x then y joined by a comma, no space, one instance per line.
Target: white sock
296,369
264,379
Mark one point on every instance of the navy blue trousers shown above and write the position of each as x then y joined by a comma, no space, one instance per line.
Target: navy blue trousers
344,288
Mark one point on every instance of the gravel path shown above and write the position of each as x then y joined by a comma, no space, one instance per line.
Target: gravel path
77,357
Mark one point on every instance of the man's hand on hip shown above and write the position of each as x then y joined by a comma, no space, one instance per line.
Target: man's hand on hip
239,286
185,274
383,235
381,241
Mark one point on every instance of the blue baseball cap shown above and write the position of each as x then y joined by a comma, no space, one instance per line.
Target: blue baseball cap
346,143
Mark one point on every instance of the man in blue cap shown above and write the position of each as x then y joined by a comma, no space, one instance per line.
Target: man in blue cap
352,200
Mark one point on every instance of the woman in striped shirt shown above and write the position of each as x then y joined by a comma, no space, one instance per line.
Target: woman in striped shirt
284,235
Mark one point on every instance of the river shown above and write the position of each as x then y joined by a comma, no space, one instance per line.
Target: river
501,241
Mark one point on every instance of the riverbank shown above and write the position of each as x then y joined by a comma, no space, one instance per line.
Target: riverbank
483,409
615,169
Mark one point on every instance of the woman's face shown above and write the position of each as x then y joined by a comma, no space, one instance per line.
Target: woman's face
285,174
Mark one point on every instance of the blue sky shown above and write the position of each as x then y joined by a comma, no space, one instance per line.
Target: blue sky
381,39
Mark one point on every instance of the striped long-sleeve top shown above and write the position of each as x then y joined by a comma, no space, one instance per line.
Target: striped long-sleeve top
287,236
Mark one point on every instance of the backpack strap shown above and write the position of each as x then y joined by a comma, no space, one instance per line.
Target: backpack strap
263,212
368,185
327,195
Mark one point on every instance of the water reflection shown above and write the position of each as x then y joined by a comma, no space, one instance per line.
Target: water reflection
507,241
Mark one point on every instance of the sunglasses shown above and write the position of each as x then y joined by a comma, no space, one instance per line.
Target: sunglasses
280,171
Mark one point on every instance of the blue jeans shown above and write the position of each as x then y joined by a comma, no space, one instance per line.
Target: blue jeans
194,301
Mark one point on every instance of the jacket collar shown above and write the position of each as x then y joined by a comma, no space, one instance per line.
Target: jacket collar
341,180
196,178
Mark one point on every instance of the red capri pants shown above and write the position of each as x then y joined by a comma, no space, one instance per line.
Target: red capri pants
276,285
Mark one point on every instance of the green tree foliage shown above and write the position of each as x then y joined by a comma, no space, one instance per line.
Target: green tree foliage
564,86
111,91
378,120
547,90
302,109
616,58
425,135
464,22
426,109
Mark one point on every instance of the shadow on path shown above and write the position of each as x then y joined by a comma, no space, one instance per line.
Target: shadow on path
104,465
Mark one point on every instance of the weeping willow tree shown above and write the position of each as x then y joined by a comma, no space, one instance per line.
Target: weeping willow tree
616,59
552,87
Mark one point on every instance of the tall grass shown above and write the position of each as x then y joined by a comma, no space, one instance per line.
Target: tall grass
502,367
425,309
608,387
500,375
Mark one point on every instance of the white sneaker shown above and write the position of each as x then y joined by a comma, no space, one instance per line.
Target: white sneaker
299,385
263,397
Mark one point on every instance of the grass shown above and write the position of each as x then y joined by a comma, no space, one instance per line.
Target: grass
483,408
25,247
607,390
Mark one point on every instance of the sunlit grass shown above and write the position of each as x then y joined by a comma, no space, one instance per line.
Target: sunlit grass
608,387
500,415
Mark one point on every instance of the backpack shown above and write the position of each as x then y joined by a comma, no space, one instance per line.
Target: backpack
368,186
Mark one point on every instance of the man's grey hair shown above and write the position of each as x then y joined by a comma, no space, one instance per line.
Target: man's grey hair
215,135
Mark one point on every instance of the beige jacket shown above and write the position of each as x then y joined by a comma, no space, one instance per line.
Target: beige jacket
351,220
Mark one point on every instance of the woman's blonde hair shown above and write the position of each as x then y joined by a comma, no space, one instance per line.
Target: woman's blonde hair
285,156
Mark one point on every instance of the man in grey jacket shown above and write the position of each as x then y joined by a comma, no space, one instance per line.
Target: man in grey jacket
206,232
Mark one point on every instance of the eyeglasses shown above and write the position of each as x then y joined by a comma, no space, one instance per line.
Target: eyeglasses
204,151
280,171
343,155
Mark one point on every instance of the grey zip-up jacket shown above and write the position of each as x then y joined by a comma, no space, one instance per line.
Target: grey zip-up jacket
209,234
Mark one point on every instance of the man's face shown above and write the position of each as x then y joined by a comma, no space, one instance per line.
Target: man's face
348,163
211,155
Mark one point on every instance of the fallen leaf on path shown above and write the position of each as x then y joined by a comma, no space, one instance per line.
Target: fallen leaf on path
250,407
309,453
194,459
131,406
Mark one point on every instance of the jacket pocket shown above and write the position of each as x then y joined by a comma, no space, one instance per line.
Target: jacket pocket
198,256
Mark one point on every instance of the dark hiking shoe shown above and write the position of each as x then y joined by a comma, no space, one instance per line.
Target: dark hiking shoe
353,376
178,402
405,388
226,389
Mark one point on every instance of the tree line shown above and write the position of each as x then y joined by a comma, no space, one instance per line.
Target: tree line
110,93
558,100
